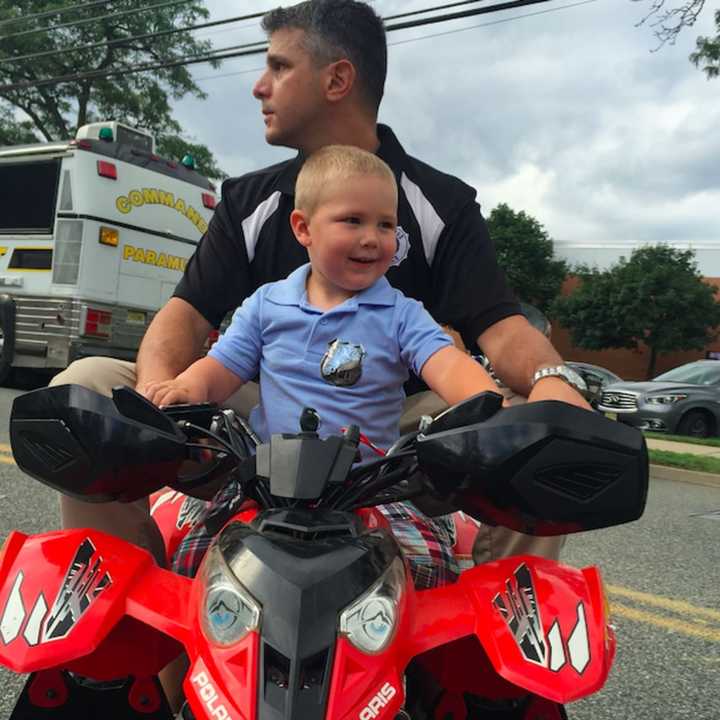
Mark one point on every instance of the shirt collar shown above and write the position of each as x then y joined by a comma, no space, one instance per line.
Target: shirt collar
390,150
291,291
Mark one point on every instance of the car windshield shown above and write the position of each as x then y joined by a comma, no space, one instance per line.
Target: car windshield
692,374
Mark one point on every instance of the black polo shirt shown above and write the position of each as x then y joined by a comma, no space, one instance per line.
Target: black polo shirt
450,263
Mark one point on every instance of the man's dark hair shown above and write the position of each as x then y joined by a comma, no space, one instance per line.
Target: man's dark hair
337,29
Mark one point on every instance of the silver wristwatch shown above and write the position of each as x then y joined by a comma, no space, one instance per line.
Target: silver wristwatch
563,372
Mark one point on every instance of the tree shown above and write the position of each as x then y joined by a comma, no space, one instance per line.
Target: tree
525,252
667,22
54,112
656,298
707,55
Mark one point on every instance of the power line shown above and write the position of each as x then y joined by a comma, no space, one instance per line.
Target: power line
429,36
77,23
132,38
192,28
51,13
441,7
224,54
493,22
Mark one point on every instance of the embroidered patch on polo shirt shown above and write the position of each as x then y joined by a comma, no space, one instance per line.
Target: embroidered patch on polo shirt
403,246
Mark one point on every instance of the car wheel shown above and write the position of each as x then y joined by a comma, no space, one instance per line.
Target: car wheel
695,423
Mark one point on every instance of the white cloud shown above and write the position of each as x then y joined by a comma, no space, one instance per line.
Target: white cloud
567,115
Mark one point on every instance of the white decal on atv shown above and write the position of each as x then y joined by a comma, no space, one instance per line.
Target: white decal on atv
84,581
167,497
190,512
209,696
519,607
32,629
14,612
557,650
578,644
378,702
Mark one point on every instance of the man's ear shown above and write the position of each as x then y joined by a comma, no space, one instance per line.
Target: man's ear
299,222
339,80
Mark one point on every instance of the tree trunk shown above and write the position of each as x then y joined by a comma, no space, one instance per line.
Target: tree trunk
651,363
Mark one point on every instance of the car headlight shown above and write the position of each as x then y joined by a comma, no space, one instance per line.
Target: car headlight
369,623
228,611
666,399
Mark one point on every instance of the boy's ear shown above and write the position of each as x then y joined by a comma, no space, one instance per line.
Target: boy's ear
299,223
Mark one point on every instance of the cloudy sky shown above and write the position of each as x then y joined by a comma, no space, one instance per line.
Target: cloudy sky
565,114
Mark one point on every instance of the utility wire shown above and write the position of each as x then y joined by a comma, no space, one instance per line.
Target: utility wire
51,13
232,52
192,28
131,38
77,23
247,71
441,7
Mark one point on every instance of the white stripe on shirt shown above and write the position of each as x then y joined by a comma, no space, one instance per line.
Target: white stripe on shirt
253,224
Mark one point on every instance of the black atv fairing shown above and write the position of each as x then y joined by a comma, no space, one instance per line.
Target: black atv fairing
93,447
544,468
304,567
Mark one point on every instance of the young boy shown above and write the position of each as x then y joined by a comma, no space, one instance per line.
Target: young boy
334,335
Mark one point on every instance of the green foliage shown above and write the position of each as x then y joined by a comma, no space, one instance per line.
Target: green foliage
175,147
707,54
657,297
525,252
16,133
138,99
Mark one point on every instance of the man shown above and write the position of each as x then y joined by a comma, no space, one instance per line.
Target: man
323,84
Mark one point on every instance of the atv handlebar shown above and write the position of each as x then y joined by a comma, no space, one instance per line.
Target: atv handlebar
543,468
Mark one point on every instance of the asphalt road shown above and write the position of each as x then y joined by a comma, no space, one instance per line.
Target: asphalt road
662,576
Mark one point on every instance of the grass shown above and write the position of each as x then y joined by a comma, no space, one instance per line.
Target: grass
685,461
712,441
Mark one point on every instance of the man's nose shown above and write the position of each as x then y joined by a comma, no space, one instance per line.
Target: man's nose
260,88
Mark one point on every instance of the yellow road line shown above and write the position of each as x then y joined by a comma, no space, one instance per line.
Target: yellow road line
7,460
677,606
667,623
4,448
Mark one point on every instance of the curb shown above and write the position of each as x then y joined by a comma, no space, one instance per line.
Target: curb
665,472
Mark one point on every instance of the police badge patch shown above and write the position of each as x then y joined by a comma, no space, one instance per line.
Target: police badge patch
341,364
403,246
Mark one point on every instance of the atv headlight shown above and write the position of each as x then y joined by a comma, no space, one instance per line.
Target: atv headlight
666,399
369,623
228,611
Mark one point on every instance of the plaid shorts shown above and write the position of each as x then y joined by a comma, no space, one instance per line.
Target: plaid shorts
426,542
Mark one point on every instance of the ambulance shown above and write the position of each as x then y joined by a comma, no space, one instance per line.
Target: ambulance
94,235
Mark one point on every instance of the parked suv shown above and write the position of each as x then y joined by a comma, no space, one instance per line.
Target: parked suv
682,401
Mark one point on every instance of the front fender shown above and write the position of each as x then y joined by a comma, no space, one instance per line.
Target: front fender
87,601
542,625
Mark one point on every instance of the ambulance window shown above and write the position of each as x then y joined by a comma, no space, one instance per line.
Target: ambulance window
128,136
29,194
31,259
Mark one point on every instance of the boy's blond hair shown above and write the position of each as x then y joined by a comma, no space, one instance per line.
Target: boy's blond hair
335,164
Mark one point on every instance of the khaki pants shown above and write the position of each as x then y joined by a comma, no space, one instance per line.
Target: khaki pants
132,522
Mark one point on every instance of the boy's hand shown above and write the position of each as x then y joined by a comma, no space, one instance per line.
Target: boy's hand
173,392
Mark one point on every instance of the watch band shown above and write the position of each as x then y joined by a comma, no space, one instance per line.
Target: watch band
563,372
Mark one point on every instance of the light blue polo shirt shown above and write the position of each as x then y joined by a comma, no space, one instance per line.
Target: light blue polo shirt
279,336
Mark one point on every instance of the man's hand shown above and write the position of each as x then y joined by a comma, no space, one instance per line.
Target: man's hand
553,388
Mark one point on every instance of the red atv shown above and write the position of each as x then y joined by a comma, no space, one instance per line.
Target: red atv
304,606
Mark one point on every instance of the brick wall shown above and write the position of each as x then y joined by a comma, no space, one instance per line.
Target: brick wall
628,364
